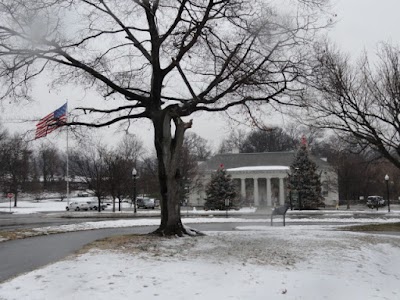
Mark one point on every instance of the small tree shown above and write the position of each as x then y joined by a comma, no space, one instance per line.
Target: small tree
220,188
305,180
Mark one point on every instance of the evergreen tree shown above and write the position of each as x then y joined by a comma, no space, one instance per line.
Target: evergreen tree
220,188
305,180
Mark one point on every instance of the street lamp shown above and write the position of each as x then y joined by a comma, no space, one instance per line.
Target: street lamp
134,174
387,190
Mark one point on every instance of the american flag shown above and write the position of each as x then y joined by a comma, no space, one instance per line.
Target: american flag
51,122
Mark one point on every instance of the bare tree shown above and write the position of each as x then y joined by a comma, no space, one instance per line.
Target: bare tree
15,157
119,177
50,164
197,146
359,99
120,163
233,142
297,131
160,60
147,181
90,165
195,149
130,148
275,139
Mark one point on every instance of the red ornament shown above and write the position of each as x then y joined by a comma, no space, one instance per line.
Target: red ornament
303,140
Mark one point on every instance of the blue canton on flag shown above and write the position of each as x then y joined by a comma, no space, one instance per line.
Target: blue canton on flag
51,122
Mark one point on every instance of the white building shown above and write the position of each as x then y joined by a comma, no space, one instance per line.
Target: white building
262,178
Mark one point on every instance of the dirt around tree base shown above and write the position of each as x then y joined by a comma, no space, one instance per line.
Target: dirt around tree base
177,230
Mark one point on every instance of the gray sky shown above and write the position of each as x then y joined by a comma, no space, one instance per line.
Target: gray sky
361,24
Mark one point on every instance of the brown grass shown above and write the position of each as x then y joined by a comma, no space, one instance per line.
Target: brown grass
132,243
375,227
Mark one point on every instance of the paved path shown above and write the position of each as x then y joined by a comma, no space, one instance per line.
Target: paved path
20,256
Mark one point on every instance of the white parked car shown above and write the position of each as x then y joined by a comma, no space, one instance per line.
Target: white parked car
145,203
77,206
93,205
375,201
83,194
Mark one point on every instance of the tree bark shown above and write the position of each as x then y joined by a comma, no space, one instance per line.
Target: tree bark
169,148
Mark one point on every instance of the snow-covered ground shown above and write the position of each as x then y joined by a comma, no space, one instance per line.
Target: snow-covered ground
293,262
252,262
37,206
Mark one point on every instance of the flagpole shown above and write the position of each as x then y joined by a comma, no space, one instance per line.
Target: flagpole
67,158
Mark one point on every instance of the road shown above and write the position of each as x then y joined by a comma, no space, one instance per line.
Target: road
16,221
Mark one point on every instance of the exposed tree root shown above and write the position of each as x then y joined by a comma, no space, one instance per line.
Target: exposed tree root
178,231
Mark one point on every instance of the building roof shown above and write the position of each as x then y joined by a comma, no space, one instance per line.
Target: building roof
240,160
260,168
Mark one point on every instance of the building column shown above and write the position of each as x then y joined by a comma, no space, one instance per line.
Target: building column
269,197
243,188
256,195
281,192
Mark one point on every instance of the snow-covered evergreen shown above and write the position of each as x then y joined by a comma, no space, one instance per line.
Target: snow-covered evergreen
220,188
305,180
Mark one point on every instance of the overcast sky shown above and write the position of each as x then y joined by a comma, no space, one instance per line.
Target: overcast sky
361,24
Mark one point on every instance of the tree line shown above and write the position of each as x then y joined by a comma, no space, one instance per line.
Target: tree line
103,169
107,171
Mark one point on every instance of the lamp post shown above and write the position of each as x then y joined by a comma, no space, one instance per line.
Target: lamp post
134,174
387,190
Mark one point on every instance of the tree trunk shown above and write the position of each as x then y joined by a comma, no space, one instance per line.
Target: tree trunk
99,204
168,149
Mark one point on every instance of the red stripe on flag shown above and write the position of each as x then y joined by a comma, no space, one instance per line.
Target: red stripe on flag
48,124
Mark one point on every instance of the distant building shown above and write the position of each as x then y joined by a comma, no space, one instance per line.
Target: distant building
262,178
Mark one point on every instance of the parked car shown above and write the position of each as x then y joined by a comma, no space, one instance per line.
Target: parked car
83,194
375,201
145,203
77,206
93,205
